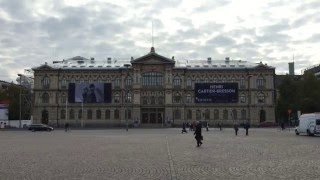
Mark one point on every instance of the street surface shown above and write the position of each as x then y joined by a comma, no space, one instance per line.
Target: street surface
162,154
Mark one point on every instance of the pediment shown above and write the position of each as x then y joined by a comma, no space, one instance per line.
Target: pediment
152,58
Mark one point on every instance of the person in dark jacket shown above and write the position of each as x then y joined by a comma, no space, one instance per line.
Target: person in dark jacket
198,134
236,128
246,127
184,130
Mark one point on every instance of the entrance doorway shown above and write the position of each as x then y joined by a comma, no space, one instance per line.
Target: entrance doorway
152,115
44,117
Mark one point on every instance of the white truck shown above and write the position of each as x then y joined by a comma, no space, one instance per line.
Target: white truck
309,124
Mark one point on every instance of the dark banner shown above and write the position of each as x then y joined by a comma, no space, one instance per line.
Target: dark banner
216,92
89,93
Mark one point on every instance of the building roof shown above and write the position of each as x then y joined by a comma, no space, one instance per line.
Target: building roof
79,62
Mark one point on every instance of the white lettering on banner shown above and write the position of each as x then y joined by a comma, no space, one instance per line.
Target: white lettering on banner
201,91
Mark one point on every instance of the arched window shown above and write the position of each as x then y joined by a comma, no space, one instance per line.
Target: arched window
45,82
189,82
261,98
188,98
45,97
62,114
176,81
243,98
261,82
152,79
98,114
243,114
64,83
71,114
216,114
189,114
107,114
262,115
116,83
116,114
207,114
63,98
242,83
128,81
177,114
128,97
177,98
225,114
117,98
234,114
80,114
89,114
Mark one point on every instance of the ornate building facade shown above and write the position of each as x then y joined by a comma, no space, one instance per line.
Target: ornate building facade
151,89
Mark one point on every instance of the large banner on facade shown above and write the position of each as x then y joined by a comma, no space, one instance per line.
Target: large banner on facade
89,93
216,92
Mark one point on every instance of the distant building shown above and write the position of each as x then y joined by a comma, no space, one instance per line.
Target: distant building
291,68
153,89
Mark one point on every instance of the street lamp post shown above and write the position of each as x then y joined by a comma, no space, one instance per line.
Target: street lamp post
20,101
249,98
127,95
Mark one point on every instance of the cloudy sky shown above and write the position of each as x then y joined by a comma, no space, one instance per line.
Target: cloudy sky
271,31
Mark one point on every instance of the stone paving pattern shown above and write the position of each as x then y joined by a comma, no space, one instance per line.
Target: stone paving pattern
158,154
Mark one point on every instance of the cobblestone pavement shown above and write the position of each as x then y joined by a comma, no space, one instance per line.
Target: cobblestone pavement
158,154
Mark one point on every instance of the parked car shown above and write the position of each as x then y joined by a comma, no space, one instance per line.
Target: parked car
309,124
40,127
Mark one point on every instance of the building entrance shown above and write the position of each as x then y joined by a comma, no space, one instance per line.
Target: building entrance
152,115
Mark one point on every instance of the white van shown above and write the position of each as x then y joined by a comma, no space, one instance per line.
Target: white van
309,124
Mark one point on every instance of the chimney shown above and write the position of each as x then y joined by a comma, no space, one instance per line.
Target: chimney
209,60
92,58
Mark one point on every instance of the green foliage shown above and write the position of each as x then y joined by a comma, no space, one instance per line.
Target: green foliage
12,94
303,95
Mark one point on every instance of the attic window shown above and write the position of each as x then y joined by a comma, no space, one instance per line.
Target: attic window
108,66
65,66
232,66
223,66
214,66
80,62
241,65
188,66
100,66
91,66
205,66
82,66
73,66
196,66
117,66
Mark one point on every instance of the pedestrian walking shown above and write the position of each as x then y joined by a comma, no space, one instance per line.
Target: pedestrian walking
207,127
1,126
220,126
246,127
236,128
282,126
198,134
66,127
184,130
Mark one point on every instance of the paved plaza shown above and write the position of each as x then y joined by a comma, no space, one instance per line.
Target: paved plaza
158,154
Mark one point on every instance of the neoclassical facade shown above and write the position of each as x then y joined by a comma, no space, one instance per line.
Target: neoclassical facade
152,90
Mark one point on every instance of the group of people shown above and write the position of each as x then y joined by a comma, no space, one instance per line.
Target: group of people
198,127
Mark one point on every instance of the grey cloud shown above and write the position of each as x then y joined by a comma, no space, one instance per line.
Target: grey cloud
314,38
273,38
211,5
309,5
305,19
278,27
221,40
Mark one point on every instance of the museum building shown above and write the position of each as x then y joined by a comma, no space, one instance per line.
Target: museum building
153,90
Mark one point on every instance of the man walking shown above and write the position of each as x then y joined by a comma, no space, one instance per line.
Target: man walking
246,127
198,134
236,128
